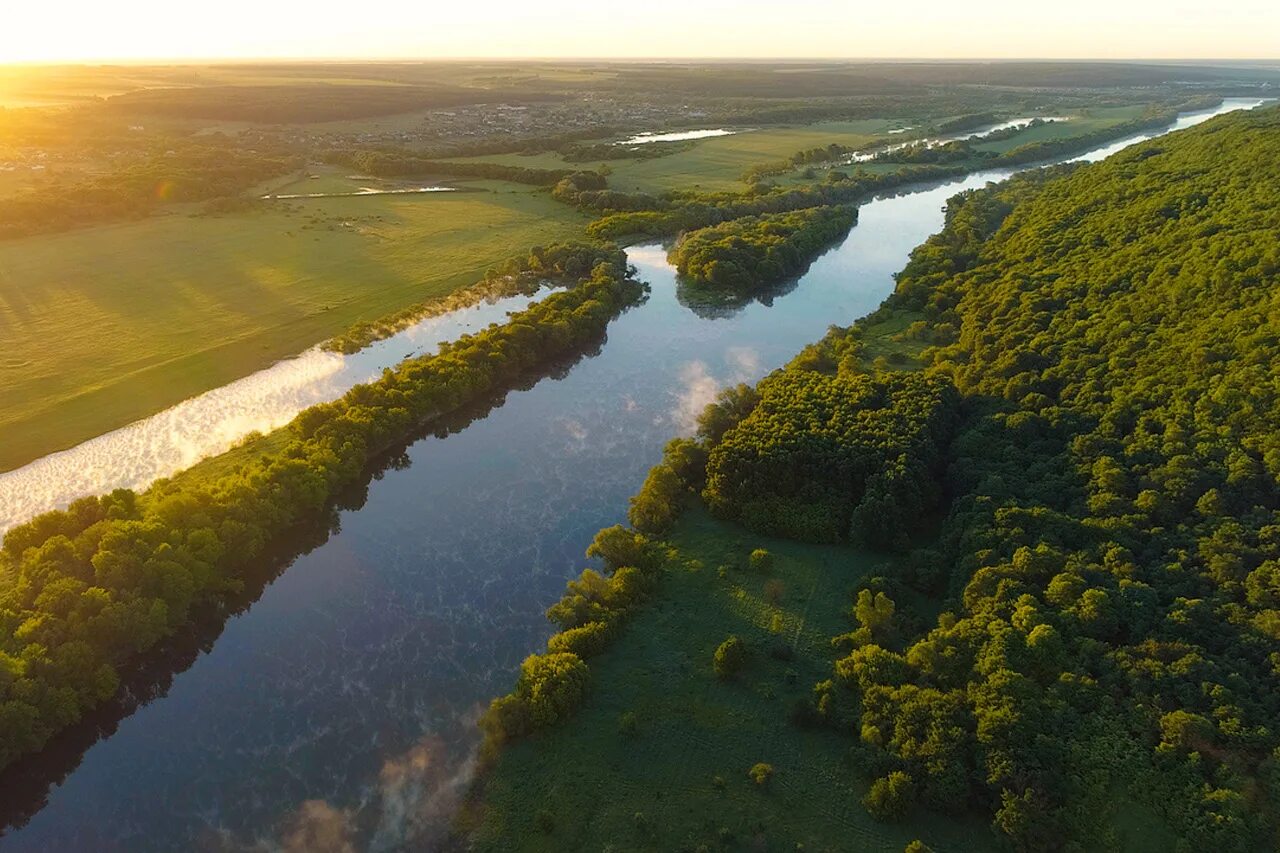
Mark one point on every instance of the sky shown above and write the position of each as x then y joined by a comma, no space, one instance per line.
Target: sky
139,30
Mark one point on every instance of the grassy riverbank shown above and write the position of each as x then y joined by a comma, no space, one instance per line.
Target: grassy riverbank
680,780
107,325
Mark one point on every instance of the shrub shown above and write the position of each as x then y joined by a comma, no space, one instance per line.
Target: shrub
583,641
550,687
729,658
890,797
761,773
761,561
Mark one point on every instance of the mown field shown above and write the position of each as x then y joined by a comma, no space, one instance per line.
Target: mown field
106,325
680,781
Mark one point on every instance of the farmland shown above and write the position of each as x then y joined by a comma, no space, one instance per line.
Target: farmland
109,324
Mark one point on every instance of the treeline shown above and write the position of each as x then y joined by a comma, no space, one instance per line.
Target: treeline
557,262
187,173
593,152
90,588
1111,550
551,686
396,164
304,102
687,211
590,191
749,253
818,154
970,121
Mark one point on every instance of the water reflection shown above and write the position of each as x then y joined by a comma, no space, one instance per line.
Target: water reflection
136,455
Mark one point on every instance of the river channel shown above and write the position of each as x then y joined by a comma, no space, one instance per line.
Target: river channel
343,698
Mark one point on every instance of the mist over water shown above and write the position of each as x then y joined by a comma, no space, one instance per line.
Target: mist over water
340,708
134,456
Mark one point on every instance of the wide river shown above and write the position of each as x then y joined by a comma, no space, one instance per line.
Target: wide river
342,701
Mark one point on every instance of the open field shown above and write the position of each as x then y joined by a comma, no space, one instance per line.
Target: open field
1087,121
106,325
681,779
716,163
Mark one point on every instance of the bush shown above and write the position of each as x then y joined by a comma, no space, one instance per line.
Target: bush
890,797
760,561
729,658
550,687
761,773
583,641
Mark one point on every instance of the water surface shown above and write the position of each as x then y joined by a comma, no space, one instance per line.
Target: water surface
213,422
675,136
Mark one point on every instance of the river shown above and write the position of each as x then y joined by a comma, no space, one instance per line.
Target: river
343,700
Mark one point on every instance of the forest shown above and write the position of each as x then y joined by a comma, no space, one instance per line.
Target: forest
746,254
1092,624
92,588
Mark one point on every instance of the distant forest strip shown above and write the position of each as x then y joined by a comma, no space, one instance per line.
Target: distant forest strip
687,210
190,171
88,589
304,102
747,254
387,164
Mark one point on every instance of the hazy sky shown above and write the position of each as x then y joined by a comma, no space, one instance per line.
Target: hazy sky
35,30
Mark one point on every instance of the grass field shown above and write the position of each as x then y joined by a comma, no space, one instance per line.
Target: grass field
1079,124
681,780
106,325
716,163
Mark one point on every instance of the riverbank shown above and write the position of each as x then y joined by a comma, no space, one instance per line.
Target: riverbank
370,653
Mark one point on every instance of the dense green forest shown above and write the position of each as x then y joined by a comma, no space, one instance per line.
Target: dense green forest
749,253
831,458
92,587
1094,626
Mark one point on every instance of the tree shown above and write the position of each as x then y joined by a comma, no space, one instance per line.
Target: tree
874,612
890,797
729,658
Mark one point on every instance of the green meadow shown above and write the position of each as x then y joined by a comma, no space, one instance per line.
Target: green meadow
715,163
106,325
657,758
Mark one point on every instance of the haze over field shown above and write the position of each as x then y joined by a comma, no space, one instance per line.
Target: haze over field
72,30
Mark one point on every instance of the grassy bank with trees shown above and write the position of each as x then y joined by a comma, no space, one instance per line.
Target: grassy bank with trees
107,325
1083,651
90,589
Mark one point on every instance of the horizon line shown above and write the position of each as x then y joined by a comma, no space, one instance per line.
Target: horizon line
286,59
